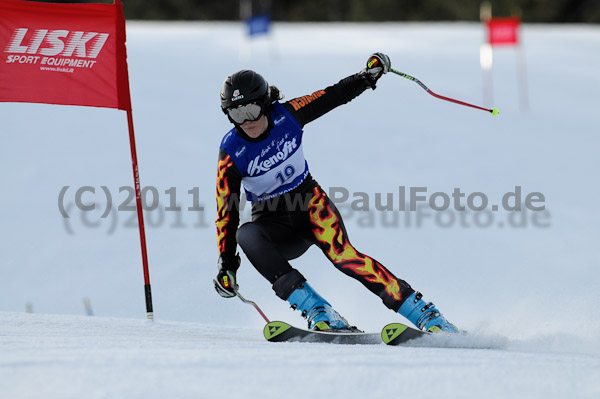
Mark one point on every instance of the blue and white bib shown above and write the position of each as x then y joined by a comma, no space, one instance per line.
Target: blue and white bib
272,166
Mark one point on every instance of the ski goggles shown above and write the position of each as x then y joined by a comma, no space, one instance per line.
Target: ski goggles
247,112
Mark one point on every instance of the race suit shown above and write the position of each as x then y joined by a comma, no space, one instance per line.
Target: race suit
290,210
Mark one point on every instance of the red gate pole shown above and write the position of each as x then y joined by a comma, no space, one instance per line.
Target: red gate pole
140,214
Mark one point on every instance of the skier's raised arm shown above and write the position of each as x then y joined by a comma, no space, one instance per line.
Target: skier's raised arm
307,108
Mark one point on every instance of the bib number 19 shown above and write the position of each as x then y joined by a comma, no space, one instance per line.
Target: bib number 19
287,173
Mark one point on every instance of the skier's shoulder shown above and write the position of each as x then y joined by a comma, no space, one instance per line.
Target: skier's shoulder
284,113
228,139
281,113
231,149
278,110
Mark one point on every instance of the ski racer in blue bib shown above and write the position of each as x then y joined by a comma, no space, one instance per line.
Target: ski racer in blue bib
263,153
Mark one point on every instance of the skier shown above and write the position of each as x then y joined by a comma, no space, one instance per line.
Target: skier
290,210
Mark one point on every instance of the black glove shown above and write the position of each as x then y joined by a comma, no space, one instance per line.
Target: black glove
377,65
225,282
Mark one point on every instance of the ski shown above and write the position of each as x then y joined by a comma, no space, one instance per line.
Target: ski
393,334
278,331
397,334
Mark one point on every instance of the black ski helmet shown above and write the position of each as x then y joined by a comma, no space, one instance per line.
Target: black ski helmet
245,87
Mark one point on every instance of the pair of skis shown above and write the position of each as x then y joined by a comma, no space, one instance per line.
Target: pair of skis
278,331
392,334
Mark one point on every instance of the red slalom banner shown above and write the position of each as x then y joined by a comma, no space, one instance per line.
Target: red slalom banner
503,31
71,54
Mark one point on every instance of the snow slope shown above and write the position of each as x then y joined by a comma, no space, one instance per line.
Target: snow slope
528,282
97,357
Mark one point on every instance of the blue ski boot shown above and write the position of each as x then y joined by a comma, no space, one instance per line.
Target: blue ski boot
424,315
319,313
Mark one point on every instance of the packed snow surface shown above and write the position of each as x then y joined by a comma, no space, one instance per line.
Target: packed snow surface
526,285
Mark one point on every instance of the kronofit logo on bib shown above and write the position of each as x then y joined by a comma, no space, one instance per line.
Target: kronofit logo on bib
255,167
55,47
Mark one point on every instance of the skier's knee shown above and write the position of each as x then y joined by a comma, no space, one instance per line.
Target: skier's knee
249,235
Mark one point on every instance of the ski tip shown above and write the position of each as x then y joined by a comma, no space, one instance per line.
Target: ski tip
494,111
274,329
392,331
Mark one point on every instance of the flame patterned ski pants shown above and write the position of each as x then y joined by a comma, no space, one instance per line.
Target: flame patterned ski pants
274,238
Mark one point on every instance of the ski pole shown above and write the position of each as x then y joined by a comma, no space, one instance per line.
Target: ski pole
493,111
253,304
